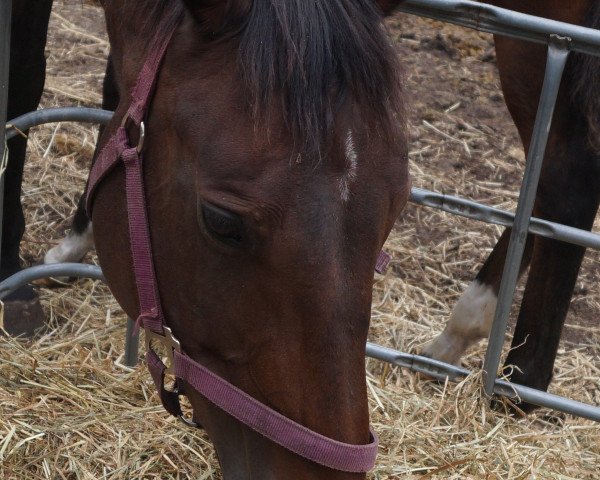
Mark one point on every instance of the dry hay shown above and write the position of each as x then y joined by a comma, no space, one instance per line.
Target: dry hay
70,409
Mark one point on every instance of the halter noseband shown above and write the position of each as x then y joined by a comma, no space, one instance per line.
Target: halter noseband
238,404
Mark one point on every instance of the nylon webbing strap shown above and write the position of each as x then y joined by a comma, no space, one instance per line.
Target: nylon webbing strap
148,76
273,425
105,161
141,250
140,97
383,262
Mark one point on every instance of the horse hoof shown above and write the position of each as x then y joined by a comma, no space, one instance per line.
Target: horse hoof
22,313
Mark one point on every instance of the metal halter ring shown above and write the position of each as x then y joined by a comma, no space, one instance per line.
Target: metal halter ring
188,422
142,137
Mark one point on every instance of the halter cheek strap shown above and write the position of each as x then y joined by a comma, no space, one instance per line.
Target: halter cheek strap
246,409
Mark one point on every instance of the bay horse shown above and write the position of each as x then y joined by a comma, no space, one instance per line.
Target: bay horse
275,166
262,208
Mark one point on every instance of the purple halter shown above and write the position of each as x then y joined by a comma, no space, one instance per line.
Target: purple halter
246,409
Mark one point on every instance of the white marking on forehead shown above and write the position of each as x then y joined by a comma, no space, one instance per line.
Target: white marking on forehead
351,165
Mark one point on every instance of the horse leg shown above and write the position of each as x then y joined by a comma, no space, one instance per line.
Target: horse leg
521,66
22,311
75,245
472,316
568,193
80,239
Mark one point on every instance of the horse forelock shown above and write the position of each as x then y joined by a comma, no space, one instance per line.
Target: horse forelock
305,59
311,57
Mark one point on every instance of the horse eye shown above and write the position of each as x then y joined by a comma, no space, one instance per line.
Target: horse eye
225,226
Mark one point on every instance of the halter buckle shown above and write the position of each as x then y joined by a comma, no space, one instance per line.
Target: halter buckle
168,342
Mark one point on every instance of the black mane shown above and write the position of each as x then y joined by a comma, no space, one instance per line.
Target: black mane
310,56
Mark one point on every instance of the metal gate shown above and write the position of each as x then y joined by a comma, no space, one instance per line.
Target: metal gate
561,39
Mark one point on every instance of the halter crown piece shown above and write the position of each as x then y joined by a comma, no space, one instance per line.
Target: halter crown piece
241,406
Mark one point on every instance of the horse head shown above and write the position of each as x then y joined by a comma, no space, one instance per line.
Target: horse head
275,165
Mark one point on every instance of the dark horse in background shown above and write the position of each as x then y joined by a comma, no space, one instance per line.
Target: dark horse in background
276,167
569,193
23,314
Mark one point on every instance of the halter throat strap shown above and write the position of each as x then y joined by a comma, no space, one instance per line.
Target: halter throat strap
238,404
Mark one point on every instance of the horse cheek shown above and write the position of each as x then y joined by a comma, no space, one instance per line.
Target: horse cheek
111,235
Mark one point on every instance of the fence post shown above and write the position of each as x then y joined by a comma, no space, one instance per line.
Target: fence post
558,53
132,342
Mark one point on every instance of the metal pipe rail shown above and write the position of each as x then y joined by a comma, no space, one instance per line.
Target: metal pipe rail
496,20
441,371
79,270
483,213
28,275
51,115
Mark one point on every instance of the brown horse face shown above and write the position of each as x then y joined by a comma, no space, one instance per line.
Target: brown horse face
264,254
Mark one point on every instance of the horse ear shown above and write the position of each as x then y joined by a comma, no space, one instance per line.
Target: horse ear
388,6
218,16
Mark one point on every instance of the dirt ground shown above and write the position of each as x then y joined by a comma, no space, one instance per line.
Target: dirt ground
67,403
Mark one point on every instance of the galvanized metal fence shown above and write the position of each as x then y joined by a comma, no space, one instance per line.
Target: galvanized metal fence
561,39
